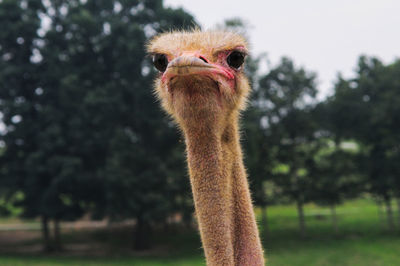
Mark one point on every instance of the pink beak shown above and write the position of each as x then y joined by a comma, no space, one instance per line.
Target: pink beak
194,65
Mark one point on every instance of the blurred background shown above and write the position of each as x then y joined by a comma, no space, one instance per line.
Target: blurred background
92,172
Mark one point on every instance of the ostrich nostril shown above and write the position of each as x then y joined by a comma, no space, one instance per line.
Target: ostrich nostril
202,58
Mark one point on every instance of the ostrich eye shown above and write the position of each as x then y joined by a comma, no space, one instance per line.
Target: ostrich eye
235,59
160,61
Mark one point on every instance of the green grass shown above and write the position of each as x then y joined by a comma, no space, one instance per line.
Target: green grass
45,261
363,239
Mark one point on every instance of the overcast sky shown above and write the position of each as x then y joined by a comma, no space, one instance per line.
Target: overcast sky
323,36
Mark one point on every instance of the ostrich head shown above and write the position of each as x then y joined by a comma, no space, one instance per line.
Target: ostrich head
202,85
201,74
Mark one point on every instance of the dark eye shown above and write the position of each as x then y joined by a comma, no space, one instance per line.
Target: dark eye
160,61
235,59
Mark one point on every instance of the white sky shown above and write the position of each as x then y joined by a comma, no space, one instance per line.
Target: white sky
323,36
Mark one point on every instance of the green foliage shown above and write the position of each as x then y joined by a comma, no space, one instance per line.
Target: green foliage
8,205
84,133
335,175
285,100
368,109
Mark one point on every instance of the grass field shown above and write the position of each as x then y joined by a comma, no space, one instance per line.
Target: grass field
362,240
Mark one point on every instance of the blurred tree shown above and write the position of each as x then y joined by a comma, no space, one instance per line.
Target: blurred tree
77,101
287,95
260,149
19,75
377,87
335,166
335,177
369,106
260,159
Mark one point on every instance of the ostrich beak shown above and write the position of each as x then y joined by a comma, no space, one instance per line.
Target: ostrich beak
187,65
192,65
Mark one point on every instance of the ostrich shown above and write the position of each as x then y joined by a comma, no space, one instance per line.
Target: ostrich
203,87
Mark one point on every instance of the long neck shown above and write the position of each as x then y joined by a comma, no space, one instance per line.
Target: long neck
221,195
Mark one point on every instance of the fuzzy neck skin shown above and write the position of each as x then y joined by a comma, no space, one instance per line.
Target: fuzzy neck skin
220,189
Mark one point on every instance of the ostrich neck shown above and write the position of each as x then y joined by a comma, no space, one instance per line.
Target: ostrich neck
221,194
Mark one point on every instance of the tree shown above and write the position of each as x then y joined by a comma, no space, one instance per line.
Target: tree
19,79
377,87
261,159
85,89
370,102
287,93
335,168
335,176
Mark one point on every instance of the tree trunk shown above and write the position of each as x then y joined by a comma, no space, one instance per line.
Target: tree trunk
187,218
334,218
264,220
45,233
166,226
381,213
141,235
302,224
57,235
398,210
389,213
